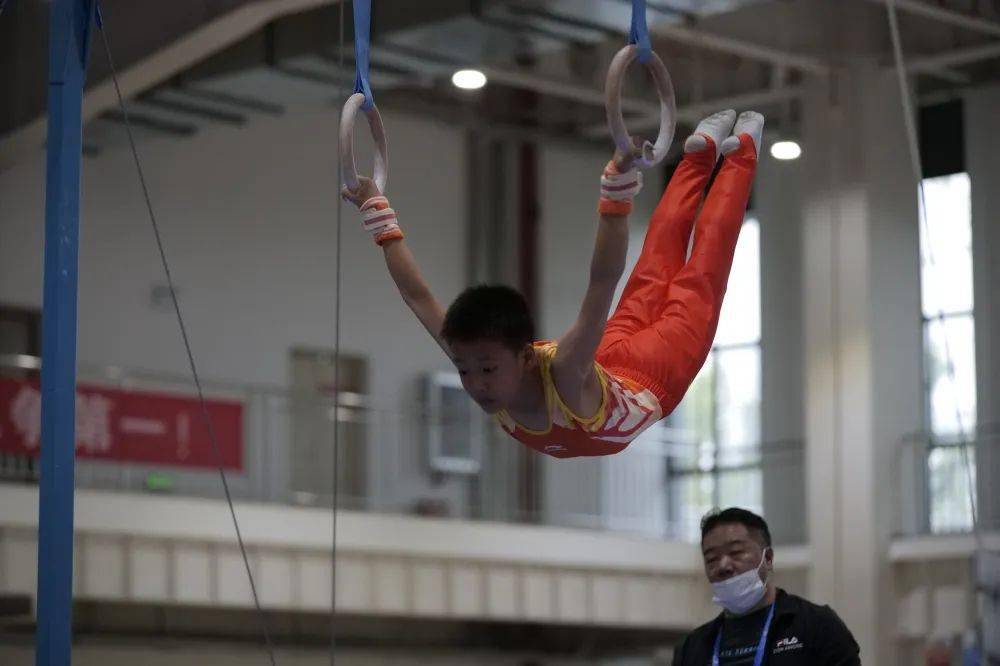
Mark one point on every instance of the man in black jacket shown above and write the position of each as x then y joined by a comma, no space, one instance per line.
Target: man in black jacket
760,624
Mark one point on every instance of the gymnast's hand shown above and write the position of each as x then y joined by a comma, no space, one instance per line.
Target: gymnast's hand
620,182
378,218
624,161
367,190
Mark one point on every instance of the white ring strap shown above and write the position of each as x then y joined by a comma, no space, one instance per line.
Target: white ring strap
652,154
347,118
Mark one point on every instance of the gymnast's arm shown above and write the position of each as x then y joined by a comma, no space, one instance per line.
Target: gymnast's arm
380,221
573,365
414,290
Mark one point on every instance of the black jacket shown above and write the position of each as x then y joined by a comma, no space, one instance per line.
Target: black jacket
801,633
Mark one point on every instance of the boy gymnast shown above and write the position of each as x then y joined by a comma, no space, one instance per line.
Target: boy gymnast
605,381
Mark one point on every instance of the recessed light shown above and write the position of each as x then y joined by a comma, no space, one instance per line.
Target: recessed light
786,150
468,79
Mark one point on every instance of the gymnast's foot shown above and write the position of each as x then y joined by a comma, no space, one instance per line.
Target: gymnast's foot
750,123
711,131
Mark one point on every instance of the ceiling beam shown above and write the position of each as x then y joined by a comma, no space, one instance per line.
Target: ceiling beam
434,65
697,39
738,47
939,65
556,88
949,75
188,108
933,64
943,15
161,66
137,118
692,113
228,99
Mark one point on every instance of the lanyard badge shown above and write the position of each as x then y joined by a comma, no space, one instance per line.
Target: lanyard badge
758,658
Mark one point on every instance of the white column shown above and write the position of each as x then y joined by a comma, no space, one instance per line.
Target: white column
777,203
862,343
982,150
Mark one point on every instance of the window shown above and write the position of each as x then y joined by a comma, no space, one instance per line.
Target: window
455,427
949,335
718,462
20,331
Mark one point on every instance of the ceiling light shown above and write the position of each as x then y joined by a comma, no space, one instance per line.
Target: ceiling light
786,150
468,79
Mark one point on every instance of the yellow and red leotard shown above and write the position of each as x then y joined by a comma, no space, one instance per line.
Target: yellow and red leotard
664,325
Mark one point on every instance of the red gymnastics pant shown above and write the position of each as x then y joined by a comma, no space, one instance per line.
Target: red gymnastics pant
664,326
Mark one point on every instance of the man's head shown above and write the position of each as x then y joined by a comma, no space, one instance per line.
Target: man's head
734,541
489,331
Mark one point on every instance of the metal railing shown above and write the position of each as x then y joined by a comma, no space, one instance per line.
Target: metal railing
935,475
384,464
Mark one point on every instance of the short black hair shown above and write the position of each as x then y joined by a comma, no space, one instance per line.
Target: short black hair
490,312
735,515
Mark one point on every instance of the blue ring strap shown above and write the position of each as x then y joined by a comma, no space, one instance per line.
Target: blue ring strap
639,33
362,44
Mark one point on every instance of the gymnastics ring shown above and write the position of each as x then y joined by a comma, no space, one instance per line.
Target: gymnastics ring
652,154
350,170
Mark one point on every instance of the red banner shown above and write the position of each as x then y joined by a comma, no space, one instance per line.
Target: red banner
127,426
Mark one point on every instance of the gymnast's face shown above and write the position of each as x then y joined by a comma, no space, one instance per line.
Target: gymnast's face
491,372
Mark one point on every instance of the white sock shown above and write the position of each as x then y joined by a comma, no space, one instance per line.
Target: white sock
749,122
717,126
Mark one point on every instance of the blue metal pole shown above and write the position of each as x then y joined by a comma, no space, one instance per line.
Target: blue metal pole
69,39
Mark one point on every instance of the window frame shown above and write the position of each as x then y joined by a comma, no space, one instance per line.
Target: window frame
966,438
675,473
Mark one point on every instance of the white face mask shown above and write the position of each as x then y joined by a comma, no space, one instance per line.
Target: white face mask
742,592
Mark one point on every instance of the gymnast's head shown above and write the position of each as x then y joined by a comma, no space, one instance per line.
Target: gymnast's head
489,331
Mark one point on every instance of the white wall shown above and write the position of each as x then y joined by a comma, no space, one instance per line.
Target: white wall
569,194
248,219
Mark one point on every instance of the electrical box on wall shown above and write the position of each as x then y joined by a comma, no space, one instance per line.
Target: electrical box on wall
454,426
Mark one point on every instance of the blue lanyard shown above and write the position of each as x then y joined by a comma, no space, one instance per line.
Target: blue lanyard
758,658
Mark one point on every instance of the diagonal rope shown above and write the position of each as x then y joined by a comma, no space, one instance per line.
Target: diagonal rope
336,367
184,335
